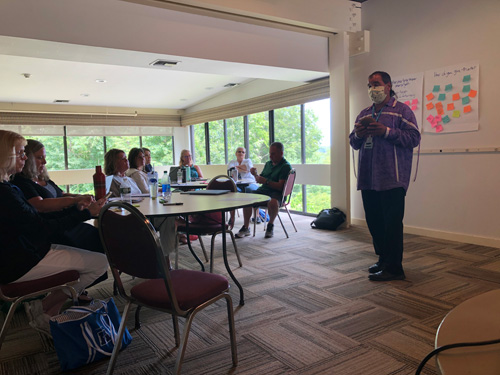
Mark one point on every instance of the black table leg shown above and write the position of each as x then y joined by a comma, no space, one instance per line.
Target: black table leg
226,263
190,247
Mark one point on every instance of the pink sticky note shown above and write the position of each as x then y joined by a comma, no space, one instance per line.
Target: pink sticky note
429,106
430,96
434,123
414,101
450,107
407,103
430,118
472,93
438,118
414,107
439,128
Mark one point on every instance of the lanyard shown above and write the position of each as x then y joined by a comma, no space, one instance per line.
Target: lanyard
378,114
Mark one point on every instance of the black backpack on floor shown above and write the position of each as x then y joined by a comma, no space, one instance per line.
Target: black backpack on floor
328,219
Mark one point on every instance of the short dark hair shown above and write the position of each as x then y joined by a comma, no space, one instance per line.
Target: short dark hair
278,145
386,78
132,156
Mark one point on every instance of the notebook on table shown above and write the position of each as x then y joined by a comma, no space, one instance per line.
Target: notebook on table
206,192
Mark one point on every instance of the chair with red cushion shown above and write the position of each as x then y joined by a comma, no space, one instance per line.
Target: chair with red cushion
133,248
211,224
285,202
16,293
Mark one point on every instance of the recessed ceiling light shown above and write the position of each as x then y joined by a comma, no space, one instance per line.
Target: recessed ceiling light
101,81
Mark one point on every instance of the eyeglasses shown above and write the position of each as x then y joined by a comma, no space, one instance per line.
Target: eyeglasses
21,154
240,152
187,156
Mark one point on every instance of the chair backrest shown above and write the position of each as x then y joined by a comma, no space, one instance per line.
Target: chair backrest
132,246
222,182
288,188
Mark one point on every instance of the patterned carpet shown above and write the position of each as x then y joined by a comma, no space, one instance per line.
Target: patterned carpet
309,309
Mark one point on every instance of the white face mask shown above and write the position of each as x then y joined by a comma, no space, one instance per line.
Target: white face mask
377,94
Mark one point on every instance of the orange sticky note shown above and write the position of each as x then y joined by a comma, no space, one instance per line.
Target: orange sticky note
472,93
467,109
430,96
450,107
439,105
429,106
456,96
440,111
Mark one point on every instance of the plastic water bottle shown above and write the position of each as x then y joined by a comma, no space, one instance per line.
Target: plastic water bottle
126,190
166,191
153,185
179,176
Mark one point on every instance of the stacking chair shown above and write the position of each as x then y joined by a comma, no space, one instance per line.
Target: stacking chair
285,202
133,248
16,293
220,182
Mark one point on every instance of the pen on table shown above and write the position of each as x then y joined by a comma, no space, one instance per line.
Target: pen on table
173,204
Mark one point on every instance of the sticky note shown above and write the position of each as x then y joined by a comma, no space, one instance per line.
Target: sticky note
436,88
442,97
450,107
429,106
446,119
456,96
407,103
439,128
466,78
456,114
467,109
466,88
472,93
439,105
465,100
430,118
429,96
434,123
438,118
440,111
448,87
414,107
414,101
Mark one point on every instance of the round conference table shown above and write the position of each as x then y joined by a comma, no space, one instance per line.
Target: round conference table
184,204
474,320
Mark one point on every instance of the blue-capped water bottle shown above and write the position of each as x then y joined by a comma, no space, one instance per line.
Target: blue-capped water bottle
166,191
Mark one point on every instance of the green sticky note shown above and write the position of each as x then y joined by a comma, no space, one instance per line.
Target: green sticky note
466,88
466,78
448,87
442,97
445,119
465,100
436,88
456,114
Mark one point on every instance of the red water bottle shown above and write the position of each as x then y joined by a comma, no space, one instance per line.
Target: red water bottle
99,183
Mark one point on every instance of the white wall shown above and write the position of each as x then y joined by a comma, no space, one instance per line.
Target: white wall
455,195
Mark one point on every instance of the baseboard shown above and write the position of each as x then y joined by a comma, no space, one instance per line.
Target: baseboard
450,236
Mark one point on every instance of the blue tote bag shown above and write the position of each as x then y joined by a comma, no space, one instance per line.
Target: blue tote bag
85,334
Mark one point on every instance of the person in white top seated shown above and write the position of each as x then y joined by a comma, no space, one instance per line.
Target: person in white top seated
137,161
243,167
116,164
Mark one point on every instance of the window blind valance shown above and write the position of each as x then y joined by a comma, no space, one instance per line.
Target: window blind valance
309,92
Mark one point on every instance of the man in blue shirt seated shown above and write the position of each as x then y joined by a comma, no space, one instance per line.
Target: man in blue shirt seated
272,178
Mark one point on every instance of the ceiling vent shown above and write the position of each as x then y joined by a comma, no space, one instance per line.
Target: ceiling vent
164,63
61,101
231,84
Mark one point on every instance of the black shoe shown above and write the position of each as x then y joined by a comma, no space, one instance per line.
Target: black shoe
385,275
377,267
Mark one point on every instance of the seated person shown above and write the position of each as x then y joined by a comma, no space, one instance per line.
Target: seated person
116,164
186,160
243,166
137,161
28,251
148,168
272,178
45,196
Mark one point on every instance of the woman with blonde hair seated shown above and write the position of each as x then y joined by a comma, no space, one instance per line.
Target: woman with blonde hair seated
28,251
186,160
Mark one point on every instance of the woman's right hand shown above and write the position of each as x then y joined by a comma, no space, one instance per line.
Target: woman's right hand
95,207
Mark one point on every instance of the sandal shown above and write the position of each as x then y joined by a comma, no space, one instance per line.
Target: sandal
85,298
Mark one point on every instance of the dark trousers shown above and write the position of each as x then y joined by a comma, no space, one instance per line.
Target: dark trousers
384,212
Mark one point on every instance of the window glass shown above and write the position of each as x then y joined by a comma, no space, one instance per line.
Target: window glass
80,189
318,198
85,152
296,201
235,136
217,149
122,143
258,134
162,150
287,131
317,127
54,148
200,155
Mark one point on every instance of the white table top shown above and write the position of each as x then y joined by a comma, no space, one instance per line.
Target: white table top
192,204
477,319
